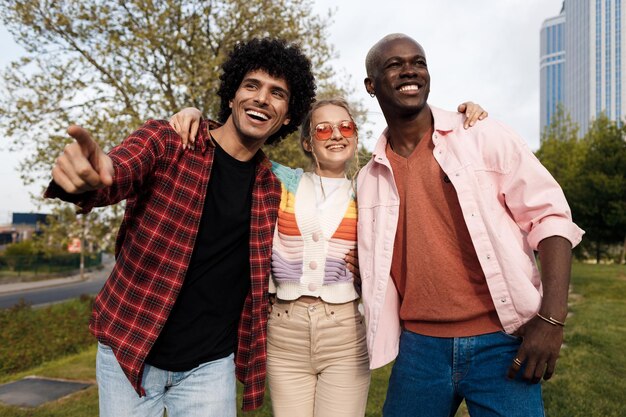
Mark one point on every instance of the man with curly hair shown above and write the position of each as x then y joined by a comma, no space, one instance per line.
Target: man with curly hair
185,308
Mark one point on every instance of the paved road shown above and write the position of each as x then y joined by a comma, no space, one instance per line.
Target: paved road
92,285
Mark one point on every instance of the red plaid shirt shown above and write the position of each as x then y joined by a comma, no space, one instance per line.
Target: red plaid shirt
165,189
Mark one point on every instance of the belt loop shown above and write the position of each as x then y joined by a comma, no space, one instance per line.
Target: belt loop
292,304
326,307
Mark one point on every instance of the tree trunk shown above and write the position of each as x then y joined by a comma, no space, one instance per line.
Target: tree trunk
597,252
623,254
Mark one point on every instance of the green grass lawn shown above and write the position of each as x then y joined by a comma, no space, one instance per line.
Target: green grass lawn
590,380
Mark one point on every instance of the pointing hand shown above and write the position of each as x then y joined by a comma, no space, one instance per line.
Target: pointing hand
82,166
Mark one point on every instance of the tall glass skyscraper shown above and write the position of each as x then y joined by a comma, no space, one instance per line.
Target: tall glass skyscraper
581,61
552,66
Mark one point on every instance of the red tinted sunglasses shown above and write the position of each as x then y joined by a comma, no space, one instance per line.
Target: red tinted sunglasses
324,131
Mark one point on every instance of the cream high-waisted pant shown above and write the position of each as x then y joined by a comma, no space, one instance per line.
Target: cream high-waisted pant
317,363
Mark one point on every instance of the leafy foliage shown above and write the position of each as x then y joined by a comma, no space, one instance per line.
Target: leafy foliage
65,225
592,172
17,256
602,184
109,65
561,151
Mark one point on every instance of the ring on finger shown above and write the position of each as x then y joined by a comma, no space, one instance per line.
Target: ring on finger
517,362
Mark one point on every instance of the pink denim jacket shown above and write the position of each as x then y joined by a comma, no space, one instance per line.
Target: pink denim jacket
510,203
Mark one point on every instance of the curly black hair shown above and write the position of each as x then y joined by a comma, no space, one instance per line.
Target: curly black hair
279,59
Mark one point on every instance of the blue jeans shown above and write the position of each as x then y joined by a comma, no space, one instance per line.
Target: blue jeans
432,375
208,390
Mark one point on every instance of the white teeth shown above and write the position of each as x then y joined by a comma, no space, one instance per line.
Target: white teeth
257,114
335,147
409,87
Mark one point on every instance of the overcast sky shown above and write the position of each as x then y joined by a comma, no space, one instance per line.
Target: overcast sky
486,51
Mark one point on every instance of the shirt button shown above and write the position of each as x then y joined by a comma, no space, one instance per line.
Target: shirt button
312,309
313,265
315,237
312,287
503,300
488,256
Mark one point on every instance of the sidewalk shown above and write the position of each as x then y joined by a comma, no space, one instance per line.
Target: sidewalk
107,265
46,283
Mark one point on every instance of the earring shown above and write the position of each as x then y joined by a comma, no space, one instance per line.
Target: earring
372,94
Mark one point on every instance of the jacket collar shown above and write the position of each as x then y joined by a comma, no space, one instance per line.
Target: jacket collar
445,121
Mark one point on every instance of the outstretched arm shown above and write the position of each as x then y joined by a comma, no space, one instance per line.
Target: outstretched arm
86,176
186,123
473,113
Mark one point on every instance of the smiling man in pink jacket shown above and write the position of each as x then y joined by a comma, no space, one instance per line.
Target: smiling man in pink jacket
449,220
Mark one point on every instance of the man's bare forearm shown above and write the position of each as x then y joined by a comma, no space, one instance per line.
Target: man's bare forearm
555,255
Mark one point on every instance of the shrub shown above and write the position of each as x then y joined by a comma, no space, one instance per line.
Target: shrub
29,337
20,255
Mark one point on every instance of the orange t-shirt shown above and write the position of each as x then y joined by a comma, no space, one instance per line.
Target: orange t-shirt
442,287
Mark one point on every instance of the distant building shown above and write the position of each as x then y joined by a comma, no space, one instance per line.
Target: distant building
32,219
22,227
6,237
581,62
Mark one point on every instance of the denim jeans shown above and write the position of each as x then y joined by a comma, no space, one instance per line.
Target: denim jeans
432,375
208,390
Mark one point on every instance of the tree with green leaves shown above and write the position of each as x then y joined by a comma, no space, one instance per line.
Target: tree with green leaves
65,225
110,65
592,173
562,152
602,185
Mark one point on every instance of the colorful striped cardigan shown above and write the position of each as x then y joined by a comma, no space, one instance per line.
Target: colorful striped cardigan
305,260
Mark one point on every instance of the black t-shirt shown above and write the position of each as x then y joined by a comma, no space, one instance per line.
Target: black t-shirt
202,325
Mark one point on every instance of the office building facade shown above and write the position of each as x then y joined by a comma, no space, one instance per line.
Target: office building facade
552,66
581,62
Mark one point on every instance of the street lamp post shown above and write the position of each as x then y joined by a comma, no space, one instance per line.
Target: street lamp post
82,247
